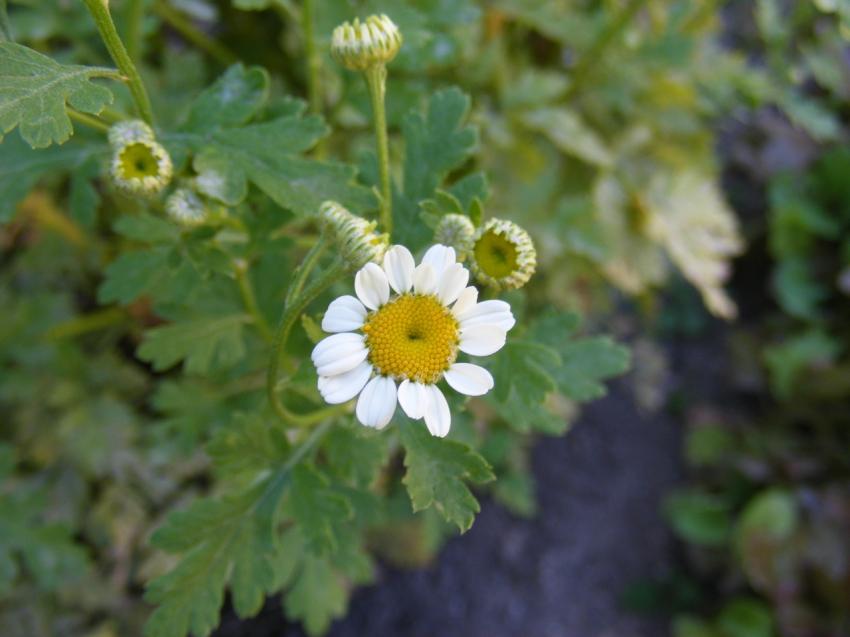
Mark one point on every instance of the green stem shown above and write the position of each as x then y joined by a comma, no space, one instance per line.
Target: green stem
100,12
594,54
86,323
184,27
302,272
88,120
135,17
287,321
112,116
313,60
376,78
249,300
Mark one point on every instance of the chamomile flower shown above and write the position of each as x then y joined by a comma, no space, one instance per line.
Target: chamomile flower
403,333
361,45
141,167
503,255
186,207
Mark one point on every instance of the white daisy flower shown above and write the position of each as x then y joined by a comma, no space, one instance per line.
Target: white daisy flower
402,334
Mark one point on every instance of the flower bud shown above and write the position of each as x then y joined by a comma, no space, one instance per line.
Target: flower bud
362,45
141,167
503,255
186,207
129,131
355,237
456,231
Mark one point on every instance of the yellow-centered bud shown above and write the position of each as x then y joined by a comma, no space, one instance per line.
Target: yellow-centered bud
503,255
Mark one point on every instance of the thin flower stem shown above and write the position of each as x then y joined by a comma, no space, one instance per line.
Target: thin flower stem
249,300
291,313
135,17
302,272
184,27
314,62
376,78
112,116
89,120
109,34
592,56
314,68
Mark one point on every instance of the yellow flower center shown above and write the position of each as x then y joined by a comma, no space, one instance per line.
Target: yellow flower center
413,336
495,255
138,161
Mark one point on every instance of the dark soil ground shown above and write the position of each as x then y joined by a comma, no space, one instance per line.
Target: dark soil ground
561,574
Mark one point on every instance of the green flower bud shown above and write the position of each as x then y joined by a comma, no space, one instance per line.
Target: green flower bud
503,255
186,207
141,167
456,231
129,131
363,45
355,237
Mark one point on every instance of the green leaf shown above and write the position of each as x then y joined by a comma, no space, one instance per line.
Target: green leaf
248,445
147,228
21,167
746,618
159,271
204,344
436,470
228,538
436,142
789,359
355,454
34,91
317,597
585,361
266,154
319,511
699,517
566,129
232,100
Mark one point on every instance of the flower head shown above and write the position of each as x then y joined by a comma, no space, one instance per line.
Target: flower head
129,131
355,237
503,255
361,45
403,333
456,231
141,167
186,207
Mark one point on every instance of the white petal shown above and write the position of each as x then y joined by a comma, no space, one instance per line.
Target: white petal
344,315
488,313
465,301
440,257
412,397
377,401
371,286
343,387
424,279
482,340
454,280
399,266
469,379
339,353
438,418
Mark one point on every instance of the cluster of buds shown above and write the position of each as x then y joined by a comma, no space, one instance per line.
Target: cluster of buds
359,46
140,165
500,253
355,237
